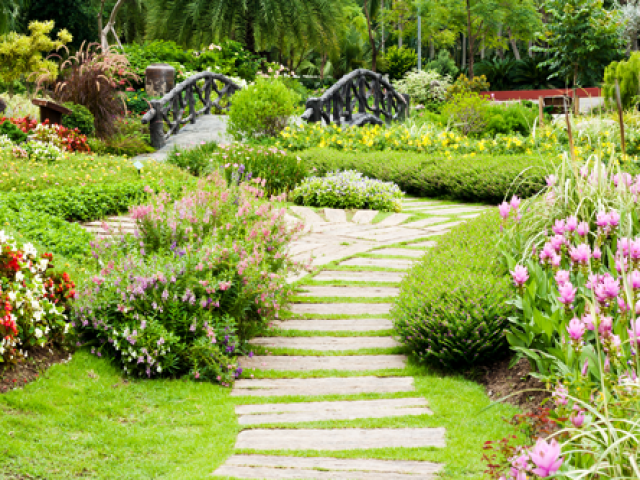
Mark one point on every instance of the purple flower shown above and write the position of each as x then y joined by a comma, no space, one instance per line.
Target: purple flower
520,275
576,329
567,293
546,457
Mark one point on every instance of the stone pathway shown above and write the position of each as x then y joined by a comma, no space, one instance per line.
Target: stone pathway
333,238
354,252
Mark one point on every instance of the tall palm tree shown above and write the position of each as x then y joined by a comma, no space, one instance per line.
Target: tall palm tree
256,23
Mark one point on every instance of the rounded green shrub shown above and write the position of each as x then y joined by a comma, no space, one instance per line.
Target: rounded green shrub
452,309
80,118
262,109
398,61
13,132
628,75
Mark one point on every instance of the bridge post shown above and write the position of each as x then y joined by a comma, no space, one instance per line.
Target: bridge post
404,111
156,128
314,105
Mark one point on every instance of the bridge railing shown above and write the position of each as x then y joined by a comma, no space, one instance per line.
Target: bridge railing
347,101
170,109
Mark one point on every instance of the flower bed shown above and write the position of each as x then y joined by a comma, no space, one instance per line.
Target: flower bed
348,189
203,275
33,300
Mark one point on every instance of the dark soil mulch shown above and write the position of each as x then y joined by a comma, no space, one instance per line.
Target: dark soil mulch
500,381
29,369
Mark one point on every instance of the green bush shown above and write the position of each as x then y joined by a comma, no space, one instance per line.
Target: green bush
13,132
443,64
424,87
348,189
80,118
197,161
261,109
467,111
628,75
481,178
511,118
463,85
460,320
398,61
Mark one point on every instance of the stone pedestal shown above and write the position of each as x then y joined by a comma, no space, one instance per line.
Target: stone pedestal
159,79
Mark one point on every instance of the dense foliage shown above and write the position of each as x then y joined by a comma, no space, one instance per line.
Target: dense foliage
348,190
460,320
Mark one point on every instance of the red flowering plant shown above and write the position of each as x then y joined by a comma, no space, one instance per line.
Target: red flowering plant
201,276
26,124
32,299
62,137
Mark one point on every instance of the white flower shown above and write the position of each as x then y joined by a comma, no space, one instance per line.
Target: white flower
19,276
159,369
38,333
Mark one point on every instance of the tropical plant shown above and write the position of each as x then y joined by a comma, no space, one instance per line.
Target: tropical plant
21,55
627,73
468,111
91,78
424,86
443,64
78,17
398,61
499,72
531,74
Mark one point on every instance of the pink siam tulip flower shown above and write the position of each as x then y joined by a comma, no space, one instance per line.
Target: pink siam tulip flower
634,332
562,276
546,457
602,220
571,224
575,329
623,246
611,286
560,395
556,260
504,209
583,229
547,251
622,265
605,327
551,180
623,306
614,218
520,275
581,254
577,419
557,242
515,202
585,368
587,319
634,279
559,227
634,249
567,293
597,254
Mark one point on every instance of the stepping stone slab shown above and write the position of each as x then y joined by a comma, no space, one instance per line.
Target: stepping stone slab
321,386
335,215
309,363
307,214
445,227
323,468
318,411
396,234
304,247
350,325
350,276
340,438
393,219
398,252
468,217
326,343
342,308
364,216
424,222
365,292
451,211
378,262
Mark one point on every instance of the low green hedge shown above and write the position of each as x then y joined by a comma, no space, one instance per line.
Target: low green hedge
481,178
460,320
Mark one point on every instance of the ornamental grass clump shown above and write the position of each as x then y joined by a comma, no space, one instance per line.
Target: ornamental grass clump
452,309
201,276
348,189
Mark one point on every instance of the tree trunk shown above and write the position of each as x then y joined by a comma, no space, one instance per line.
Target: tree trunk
499,50
432,50
109,27
374,51
482,49
249,34
530,48
470,40
514,46
100,13
323,64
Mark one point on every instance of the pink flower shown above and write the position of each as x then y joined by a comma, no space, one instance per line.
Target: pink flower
588,321
610,286
546,457
567,293
559,227
515,202
602,220
581,253
130,89
557,242
634,249
571,224
555,261
577,419
575,329
504,209
583,229
520,275
605,327
585,368
614,218
623,306
634,332
597,254
551,180
562,277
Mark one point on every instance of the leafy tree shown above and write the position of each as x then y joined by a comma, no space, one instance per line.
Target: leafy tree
22,54
581,38
9,14
257,23
78,17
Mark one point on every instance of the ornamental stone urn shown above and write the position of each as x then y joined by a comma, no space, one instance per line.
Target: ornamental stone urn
159,79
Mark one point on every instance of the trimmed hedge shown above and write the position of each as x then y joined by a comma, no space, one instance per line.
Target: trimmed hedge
481,178
461,319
